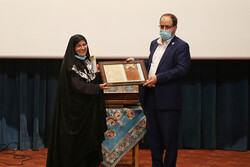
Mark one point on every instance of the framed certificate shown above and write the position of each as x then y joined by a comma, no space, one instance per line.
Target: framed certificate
123,73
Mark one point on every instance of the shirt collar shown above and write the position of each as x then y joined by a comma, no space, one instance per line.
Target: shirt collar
159,41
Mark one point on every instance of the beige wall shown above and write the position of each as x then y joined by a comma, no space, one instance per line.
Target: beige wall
122,28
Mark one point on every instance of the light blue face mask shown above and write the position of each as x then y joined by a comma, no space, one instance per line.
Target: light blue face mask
81,57
165,34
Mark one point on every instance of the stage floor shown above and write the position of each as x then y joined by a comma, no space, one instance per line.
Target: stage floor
186,158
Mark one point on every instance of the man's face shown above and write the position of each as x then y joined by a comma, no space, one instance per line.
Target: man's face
166,23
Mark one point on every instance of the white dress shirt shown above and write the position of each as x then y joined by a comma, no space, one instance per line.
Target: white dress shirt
158,55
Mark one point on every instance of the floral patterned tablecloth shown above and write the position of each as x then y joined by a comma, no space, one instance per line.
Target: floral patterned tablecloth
126,127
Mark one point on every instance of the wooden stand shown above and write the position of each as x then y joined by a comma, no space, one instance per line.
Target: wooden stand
135,157
118,100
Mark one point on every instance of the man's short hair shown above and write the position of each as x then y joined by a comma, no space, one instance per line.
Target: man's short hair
173,17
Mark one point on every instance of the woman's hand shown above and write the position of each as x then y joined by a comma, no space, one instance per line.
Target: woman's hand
104,86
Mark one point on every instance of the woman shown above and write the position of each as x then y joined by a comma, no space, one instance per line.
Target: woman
79,119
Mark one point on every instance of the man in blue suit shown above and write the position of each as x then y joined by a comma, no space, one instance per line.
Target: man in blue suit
161,95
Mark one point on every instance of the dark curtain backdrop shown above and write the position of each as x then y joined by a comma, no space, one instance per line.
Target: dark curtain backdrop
215,109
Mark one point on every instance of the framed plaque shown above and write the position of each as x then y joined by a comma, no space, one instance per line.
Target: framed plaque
123,73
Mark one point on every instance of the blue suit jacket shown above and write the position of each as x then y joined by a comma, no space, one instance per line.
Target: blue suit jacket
173,66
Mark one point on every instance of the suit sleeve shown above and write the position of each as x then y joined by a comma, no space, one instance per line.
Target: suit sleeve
180,68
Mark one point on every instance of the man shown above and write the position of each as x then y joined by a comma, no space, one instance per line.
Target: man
161,95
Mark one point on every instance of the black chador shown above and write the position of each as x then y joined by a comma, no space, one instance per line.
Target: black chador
79,118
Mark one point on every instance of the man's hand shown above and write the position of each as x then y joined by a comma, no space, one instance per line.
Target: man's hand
151,81
130,59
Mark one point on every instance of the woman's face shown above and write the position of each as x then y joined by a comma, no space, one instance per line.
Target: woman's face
81,48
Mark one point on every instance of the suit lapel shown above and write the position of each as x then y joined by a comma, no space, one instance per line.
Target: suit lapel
166,53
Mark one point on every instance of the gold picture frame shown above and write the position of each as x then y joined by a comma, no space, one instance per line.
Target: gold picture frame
116,73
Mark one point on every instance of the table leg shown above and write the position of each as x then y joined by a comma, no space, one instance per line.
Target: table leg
135,155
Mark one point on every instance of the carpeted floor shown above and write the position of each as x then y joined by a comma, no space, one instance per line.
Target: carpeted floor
186,158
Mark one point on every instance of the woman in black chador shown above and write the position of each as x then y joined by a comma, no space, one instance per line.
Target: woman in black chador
79,119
